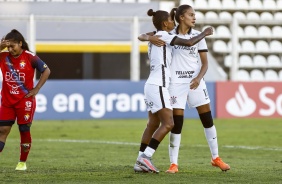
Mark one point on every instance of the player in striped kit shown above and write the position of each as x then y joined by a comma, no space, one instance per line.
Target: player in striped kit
188,85
18,102
157,97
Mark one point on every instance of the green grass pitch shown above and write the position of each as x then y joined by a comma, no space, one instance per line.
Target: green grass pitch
104,151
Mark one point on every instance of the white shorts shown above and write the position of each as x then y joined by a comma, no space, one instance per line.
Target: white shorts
181,93
156,98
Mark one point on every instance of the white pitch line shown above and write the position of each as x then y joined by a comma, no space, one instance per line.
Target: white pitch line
137,144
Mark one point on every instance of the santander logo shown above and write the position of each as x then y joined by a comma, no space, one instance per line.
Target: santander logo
241,105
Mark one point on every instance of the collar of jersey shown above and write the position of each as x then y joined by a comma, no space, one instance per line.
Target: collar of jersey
176,30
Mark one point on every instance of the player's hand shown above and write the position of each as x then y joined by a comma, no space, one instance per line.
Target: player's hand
155,40
4,43
208,31
194,83
32,92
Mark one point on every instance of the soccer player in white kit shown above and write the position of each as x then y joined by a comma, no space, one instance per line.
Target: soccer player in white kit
157,97
188,85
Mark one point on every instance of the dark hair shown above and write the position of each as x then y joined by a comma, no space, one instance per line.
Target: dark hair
176,12
158,17
16,36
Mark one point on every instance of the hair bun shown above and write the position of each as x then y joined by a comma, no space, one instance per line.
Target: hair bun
151,12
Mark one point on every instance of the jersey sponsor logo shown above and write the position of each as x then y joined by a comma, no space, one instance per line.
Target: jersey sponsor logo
184,74
241,104
14,79
26,117
192,50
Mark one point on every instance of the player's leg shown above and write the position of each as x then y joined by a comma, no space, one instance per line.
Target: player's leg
7,120
152,125
25,112
199,98
178,94
165,116
159,107
211,136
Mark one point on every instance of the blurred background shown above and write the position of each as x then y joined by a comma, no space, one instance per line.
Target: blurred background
93,45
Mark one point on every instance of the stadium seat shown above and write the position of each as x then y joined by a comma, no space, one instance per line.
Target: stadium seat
260,61
276,31
262,46
228,4
189,2
240,32
199,15
214,4
248,46
239,15
223,31
229,46
273,61
211,15
256,75
129,1
275,46
253,16
243,75
251,31
280,75
264,31
220,46
266,16
242,4
200,4
225,15
279,4
245,61
144,1
278,16
228,61
269,4
255,4
270,75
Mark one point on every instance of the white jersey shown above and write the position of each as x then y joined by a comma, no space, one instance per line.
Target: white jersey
186,63
160,60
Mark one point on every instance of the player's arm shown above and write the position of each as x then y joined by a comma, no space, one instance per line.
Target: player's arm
196,81
192,41
151,37
43,78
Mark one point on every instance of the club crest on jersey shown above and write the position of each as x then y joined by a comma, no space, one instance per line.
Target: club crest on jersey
149,104
26,117
173,100
22,64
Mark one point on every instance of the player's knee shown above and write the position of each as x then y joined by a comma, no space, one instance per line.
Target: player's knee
178,124
206,119
25,127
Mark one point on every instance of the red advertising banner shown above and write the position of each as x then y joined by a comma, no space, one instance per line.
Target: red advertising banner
248,99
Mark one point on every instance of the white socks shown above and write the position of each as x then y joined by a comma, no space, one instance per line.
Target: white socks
173,147
211,137
149,151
